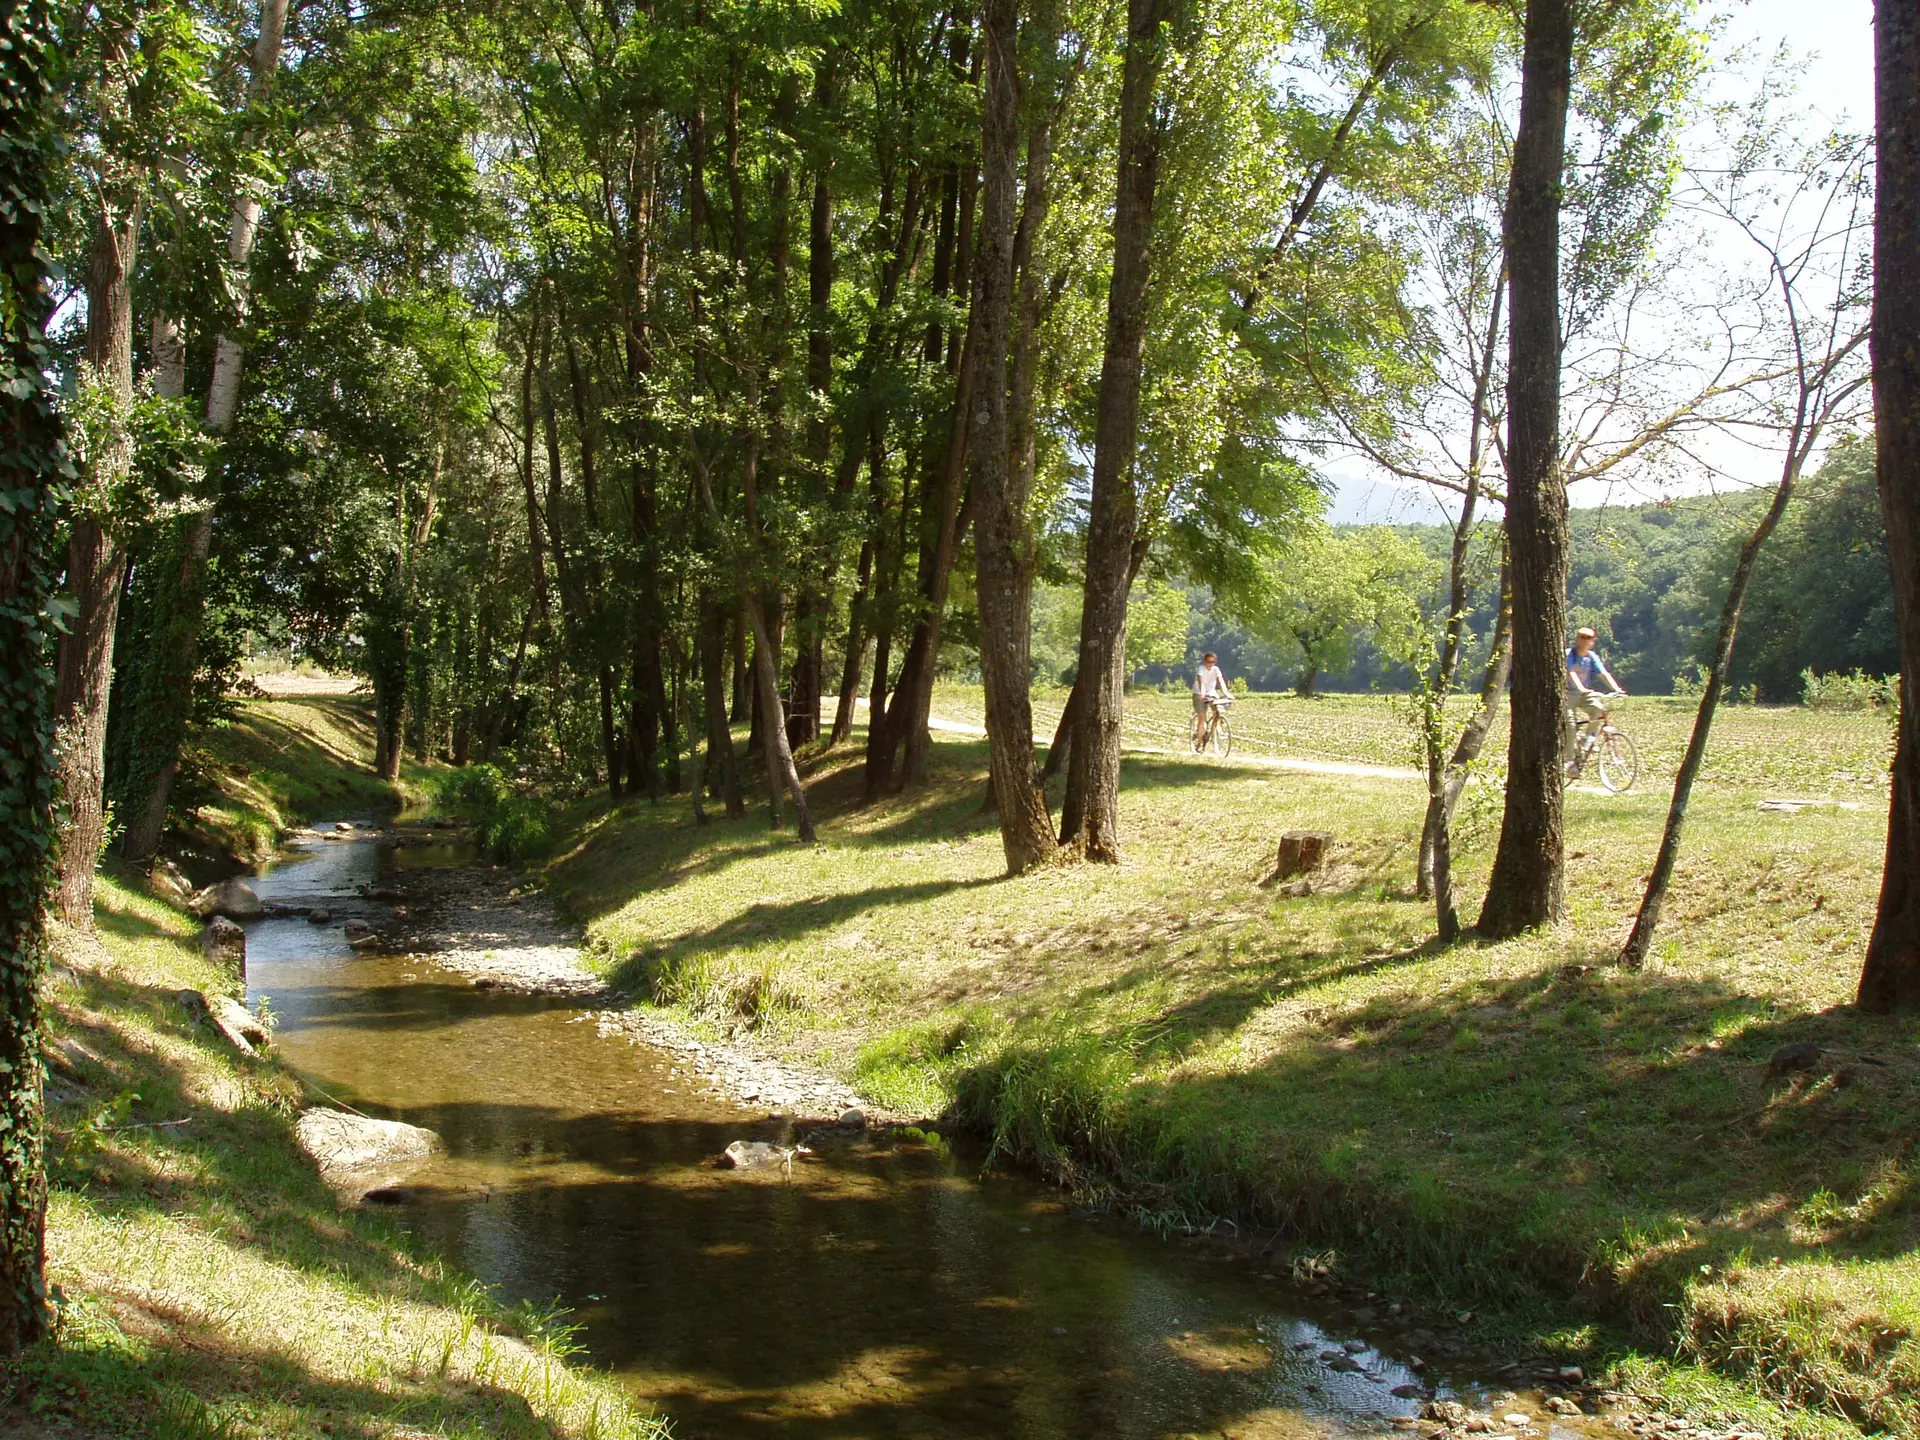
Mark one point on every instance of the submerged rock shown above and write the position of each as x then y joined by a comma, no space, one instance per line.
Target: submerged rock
338,1140
752,1155
234,899
319,915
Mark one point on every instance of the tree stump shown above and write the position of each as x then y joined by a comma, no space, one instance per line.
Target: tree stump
1302,852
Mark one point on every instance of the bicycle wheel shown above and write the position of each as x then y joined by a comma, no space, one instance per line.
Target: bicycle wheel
1220,737
1619,761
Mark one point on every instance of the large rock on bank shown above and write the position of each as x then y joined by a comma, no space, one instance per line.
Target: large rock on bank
338,1140
225,943
232,898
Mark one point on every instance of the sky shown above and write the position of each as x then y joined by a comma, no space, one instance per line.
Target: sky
1835,37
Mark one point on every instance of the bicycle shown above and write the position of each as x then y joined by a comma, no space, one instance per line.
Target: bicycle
1611,748
1216,735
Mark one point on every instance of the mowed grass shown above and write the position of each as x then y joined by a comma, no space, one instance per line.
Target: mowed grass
1490,1123
274,765
210,1287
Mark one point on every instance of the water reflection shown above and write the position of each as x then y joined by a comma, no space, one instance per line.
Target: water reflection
883,1291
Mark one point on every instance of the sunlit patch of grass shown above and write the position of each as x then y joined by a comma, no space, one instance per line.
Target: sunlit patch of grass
210,1284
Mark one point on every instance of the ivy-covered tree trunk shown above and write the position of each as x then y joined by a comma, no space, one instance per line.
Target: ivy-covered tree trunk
96,563
1529,869
1890,979
32,473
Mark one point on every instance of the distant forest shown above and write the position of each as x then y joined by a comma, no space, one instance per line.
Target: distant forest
1651,578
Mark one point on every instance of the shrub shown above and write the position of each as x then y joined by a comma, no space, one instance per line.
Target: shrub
508,822
1849,691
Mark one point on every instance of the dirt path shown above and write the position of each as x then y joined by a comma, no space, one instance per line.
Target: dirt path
1295,763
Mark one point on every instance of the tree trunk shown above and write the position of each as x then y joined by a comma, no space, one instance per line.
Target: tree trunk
1090,817
167,695
1436,833
96,568
722,767
1528,884
856,648
1003,532
780,766
30,471
1890,980
1640,941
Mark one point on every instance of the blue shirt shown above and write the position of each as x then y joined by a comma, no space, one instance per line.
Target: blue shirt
1586,666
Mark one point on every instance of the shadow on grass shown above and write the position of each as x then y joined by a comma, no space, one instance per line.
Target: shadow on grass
1595,1132
135,1357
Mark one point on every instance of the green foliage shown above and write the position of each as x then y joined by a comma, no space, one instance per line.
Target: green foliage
509,823
1336,588
36,477
1855,690
1822,596
1157,622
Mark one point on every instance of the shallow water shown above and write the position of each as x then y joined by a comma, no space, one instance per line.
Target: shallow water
886,1290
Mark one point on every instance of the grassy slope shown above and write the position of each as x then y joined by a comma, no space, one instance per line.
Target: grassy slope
213,1289
275,764
1481,1120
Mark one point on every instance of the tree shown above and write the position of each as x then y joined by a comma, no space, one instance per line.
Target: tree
1890,978
1003,529
166,697
1812,344
1158,618
33,476
1528,884
1336,588
1090,822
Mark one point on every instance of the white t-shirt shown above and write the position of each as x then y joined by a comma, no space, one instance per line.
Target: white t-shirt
1209,682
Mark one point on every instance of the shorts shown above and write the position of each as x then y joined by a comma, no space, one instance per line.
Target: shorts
1199,704
1587,709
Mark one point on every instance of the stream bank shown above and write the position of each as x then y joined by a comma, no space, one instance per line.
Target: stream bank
877,1282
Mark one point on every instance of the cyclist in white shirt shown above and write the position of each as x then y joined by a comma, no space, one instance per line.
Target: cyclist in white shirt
1208,686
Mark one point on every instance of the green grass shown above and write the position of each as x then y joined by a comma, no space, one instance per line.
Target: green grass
275,765
211,1288
1786,750
1489,1123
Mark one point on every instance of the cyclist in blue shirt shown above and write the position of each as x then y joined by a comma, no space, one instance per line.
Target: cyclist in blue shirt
1585,671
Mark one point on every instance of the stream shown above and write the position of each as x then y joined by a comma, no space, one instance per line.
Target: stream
888,1288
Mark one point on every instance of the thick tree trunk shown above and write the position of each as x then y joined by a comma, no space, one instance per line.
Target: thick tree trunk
29,472
96,569
1003,532
1090,818
803,690
1890,980
167,695
1529,880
